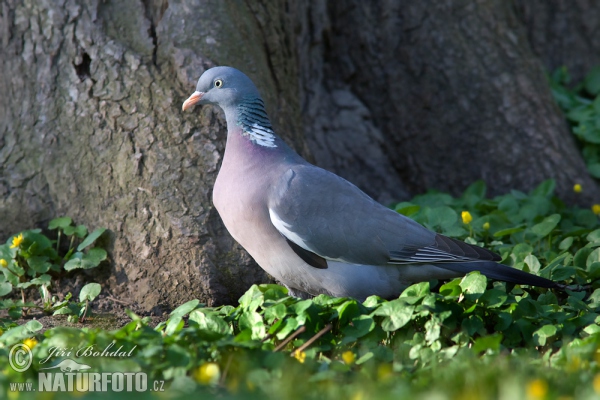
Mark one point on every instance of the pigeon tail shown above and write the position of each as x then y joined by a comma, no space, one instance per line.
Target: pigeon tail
502,272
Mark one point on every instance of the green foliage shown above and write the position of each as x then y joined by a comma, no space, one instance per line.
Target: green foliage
30,258
468,338
581,105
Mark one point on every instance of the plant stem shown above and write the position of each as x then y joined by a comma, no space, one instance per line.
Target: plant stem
312,339
58,240
85,310
290,338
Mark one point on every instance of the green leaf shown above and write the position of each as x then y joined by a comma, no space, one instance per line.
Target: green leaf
360,326
451,289
533,263
441,217
39,264
81,231
580,259
592,81
407,209
210,323
41,280
510,231
563,273
19,333
90,238
593,257
541,335
473,285
74,262
417,290
253,321
594,169
493,298
474,194
592,237
397,314
92,259
185,308
174,325
566,243
252,299
89,292
545,189
490,342
5,288
544,228
61,222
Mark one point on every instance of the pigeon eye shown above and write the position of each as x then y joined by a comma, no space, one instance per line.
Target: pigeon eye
218,83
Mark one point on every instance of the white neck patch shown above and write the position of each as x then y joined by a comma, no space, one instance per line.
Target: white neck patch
260,135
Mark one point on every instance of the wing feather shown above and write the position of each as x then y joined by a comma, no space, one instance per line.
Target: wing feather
330,217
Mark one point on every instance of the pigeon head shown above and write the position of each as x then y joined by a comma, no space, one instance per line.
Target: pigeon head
235,93
223,86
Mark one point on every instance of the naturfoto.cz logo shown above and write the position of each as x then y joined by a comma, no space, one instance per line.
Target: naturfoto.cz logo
68,375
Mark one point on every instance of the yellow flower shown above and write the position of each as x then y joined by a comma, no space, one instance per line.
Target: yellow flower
17,240
300,356
348,357
596,209
537,389
3,263
384,371
81,386
466,217
358,395
597,383
31,343
577,188
486,225
208,373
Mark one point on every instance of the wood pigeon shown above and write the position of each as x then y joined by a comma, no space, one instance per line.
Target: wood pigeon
314,231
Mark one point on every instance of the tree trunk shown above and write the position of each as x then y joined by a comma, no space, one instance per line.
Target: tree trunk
563,33
395,97
436,95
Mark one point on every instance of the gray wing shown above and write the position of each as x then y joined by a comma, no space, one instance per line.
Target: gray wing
330,217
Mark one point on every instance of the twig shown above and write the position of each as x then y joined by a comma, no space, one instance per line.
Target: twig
312,339
222,380
290,338
118,301
87,304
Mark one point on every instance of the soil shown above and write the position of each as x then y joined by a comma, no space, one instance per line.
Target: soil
107,311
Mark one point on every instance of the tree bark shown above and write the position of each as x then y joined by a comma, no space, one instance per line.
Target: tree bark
395,97
437,95
563,33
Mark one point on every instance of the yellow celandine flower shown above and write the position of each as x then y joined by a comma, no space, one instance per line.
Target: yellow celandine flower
81,386
466,217
537,389
596,209
597,383
348,357
3,263
31,343
384,372
360,395
577,188
486,225
300,356
208,373
17,240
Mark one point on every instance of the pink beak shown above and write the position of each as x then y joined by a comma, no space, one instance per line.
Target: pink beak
192,100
